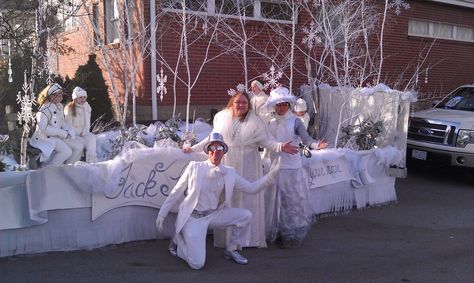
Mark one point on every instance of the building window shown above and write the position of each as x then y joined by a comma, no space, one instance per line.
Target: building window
439,30
95,23
111,21
266,10
67,12
275,11
191,5
230,7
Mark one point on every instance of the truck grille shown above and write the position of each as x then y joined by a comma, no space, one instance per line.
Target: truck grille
431,131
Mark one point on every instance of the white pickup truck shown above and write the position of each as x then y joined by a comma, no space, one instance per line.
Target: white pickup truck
444,134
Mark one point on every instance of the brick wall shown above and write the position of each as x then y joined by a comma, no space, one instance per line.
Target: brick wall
450,61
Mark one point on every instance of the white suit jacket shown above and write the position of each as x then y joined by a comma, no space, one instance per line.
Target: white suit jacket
189,186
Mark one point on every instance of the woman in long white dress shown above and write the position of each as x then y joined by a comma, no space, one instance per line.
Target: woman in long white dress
244,132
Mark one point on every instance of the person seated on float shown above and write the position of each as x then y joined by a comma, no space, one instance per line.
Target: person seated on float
53,136
78,116
198,193
288,215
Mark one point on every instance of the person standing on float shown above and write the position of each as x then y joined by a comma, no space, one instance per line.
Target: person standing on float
288,212
244,132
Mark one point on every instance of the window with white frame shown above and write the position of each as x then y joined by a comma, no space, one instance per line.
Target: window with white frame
67,13
266,10
111,21
440,30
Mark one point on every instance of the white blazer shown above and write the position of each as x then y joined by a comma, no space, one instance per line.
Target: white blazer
189,186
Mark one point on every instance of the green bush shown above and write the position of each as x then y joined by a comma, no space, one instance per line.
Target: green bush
89,77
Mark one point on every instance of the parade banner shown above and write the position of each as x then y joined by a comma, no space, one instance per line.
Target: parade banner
143,182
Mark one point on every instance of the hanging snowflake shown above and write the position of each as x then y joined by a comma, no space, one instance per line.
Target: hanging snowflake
398,4
311,37
26,102
10,72
205,28
271,78
161,79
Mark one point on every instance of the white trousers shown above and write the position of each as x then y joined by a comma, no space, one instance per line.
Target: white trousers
89,143
191,240
65,151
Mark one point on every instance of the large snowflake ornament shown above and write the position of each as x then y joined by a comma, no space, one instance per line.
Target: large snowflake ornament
271,78
161,79
312,35
398,4
26,102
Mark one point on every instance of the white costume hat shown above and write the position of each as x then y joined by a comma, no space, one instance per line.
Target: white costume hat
215,137
300,105
78,92
280,95
258,84
54,88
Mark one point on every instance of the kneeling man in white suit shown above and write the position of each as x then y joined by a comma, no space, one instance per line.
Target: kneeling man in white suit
201,186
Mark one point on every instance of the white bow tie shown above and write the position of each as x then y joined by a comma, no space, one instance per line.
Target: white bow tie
215,171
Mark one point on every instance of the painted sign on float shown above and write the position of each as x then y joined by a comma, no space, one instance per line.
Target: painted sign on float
326,172
143,182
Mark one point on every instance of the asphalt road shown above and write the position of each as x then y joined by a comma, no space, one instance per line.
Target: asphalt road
427,236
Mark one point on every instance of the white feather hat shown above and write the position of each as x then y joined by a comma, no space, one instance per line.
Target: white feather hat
280,95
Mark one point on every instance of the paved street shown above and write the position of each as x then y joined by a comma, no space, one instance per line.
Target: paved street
428,236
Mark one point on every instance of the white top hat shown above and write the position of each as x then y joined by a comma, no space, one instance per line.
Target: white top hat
300,105
280,95
53,89
78,92
215,137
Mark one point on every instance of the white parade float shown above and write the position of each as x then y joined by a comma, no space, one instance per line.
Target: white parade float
84,206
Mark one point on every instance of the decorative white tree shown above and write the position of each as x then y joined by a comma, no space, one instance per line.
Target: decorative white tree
26,118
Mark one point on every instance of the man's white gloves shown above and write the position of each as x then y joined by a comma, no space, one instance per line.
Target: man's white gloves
159,223
274,169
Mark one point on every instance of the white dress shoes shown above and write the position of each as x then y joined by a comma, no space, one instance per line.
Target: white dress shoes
235,256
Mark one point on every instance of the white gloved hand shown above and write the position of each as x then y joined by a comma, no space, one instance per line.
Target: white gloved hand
159,223
64,134
72,134
274,169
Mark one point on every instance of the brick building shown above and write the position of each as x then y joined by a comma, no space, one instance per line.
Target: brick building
437,36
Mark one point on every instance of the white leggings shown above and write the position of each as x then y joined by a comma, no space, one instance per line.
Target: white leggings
66,151
191,240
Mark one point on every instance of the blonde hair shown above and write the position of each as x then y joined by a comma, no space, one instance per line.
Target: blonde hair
43,95
72,107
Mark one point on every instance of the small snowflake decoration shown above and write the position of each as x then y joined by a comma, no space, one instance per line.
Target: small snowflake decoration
271,78
231,92
311,38
241,87
398,4
26,102
161,89
10,72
